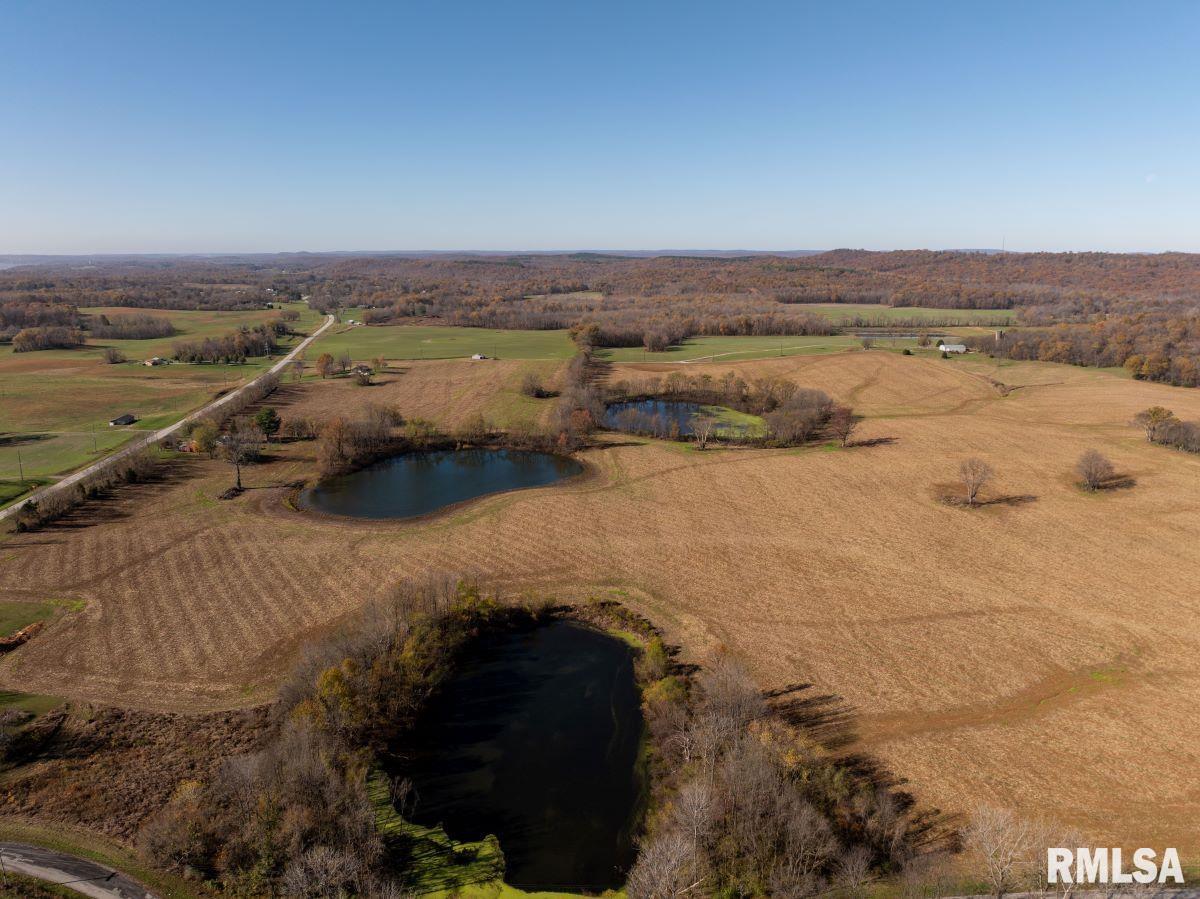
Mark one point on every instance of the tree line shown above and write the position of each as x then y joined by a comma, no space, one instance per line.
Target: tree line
1153,345
128,326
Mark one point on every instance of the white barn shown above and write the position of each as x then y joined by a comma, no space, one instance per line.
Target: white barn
952,347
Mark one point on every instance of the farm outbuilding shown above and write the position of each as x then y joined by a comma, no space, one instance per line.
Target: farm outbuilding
952,347
127,419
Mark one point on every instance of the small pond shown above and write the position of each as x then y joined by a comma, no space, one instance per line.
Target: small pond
419,483
536,739
663,417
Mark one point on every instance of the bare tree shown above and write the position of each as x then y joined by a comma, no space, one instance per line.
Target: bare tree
297,369
843,423
974,473
693,814
344,361
1004,845
240,445
661,868
867,342
322,871
703,429
854,870
1094,469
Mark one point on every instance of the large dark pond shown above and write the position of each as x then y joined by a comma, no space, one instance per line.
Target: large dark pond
419,483
536,740
672,417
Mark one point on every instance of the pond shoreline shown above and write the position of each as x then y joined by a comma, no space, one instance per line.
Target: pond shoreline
293,503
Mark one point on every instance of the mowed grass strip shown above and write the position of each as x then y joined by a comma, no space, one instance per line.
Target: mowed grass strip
848,313
403,342
732,349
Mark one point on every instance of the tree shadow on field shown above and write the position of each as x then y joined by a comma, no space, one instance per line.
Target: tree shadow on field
825,717
7,440
1008,499
954,495
830,721
874,441
119,503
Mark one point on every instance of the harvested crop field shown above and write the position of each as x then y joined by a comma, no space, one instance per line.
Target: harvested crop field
448,392
1037,652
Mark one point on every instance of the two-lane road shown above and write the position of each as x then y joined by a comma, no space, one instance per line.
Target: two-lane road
155,436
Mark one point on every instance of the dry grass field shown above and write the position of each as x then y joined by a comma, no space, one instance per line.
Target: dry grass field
1040,654
448,391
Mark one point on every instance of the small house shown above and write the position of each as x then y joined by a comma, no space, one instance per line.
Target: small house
362,369
478,357
127,419
952,347
155,360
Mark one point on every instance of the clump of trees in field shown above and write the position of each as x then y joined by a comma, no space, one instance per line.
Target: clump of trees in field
129,326
230,348
1162,427
346,443
50,337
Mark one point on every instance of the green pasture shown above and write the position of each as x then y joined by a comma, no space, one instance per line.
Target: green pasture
55,405
394,342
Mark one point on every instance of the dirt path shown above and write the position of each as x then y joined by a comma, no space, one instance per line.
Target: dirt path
155,436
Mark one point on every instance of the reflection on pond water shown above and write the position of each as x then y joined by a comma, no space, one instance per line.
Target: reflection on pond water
420,483
535,739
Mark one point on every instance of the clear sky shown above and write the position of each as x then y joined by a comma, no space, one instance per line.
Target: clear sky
255,126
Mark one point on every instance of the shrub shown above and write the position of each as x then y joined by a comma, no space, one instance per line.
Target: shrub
532,385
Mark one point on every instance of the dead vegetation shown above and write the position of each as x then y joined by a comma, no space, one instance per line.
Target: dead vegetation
109,769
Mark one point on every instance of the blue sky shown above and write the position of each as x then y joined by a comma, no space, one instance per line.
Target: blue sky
214,127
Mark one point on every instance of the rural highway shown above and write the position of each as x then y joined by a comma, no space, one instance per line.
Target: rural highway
77,874
155,436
